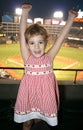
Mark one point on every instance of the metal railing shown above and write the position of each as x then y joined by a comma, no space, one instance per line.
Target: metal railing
74,70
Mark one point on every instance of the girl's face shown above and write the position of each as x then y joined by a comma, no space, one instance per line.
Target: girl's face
36,45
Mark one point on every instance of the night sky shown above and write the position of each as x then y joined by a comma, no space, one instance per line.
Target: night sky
41,8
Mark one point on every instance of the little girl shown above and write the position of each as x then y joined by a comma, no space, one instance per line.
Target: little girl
38,96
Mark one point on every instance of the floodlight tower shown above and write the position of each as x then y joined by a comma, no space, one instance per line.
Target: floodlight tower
18,12
58,16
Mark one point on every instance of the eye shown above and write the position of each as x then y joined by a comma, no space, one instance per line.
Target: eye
41,42
31,43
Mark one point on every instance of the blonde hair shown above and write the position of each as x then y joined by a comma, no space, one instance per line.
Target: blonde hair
36,29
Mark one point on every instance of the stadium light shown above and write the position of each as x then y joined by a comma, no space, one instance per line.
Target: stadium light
58,17
58,14
18,12
29,21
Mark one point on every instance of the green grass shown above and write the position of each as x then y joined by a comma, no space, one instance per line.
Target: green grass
10,51
71,53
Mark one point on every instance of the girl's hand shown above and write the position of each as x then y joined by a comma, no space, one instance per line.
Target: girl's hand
73,13
27,6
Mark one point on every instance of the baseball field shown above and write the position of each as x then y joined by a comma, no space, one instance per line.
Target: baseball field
67,58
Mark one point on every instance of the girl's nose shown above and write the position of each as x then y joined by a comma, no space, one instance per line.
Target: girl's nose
36,45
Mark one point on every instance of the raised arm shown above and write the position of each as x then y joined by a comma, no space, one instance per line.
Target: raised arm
23,25
54,50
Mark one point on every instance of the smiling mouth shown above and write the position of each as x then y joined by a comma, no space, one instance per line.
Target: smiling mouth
37,52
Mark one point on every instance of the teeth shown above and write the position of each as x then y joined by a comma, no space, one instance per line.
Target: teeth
37,52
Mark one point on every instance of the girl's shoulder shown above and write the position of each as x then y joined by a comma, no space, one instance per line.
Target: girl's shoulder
29,57
49,57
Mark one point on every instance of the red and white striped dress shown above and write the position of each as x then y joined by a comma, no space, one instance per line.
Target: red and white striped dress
38,95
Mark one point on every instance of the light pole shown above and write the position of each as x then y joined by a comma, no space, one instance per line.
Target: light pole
18,12
58,17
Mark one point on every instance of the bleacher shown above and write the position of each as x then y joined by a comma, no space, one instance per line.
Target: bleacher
9,28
